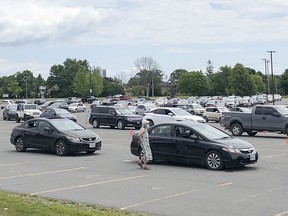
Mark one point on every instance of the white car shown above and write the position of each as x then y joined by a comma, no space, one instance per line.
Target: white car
168,114
77,107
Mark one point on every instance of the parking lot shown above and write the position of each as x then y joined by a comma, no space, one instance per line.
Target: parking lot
110,177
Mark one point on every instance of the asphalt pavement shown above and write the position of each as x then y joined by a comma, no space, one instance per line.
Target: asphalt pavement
111,177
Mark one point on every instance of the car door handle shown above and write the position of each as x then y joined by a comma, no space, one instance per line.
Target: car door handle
264,118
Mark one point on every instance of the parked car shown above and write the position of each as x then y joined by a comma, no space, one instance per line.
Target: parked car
58,112
168,114
272,118
73,100
46,104
59,135
95,103
10,112
59,104
214,113
192,142
27,111
40,101
119,117
77,107
4,103
145,107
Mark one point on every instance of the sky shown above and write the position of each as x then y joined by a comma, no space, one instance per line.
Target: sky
113,34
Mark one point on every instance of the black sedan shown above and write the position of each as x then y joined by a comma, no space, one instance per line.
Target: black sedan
10,112
192,142
59,135
57,112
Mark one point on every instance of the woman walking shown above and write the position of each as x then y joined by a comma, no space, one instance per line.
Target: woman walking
143,139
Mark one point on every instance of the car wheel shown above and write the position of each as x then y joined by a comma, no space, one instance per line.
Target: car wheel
151,123
120,125
17,118
95,123
76,110
8,118
4,118
90,152
205,118
60,148
25,118
213,160
236,129
19,145
250,133
84,110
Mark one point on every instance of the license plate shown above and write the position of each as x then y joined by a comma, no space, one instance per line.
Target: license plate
252,157
92,145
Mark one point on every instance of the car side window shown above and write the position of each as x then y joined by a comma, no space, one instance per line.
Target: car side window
268,111
159,111
31,124
258,111
183,132
161,131
42,125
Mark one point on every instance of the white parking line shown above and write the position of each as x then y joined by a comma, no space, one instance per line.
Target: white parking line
11,164
272,156
282,213
87,185
176,195
42,173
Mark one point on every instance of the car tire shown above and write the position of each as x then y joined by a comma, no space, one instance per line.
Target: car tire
17,118
120,125
19,145
4,118
84,110
95,123
90,152
237,129
250,133
60,148
8,118
213,160
205,118
25,118
151,123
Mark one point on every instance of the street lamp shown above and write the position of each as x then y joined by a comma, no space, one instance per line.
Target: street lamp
272,85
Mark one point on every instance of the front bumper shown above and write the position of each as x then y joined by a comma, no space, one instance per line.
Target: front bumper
239,159
87,146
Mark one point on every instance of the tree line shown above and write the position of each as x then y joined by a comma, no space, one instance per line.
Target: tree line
77,78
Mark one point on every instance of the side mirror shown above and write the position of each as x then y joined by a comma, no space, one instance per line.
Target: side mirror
170,114
276,114
194,137
113,113
48,129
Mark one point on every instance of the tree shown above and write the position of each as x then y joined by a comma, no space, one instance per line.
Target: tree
13,87
259,84
209,69
194,83
96,82
27,83
174,76
81,83
149,73
112,87
219,81
64,75
241,82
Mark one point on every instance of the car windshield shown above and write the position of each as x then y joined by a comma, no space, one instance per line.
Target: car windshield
210,132
31,106
181,112
12,107
124,111
282,109
62,111
66,125
197,106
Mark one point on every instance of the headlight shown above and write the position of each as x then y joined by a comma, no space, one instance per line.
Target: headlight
233,150
191,119
97,139
128,119
74,139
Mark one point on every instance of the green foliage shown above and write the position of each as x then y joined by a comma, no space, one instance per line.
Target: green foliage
13,87
259,84
112,87
138,90
241,82
209,69
12,204
96,82
174,76
81,83
194,83
219,81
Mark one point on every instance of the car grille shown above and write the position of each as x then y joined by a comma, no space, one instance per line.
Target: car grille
247,151
89,139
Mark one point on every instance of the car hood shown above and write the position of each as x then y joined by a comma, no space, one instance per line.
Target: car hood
191,117
80,133
235,143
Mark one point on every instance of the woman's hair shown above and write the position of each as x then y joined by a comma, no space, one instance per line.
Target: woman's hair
145,123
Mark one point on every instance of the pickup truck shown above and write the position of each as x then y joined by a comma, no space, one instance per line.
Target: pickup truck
272,118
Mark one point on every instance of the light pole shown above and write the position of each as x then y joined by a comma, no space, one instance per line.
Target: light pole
265,69
272,85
